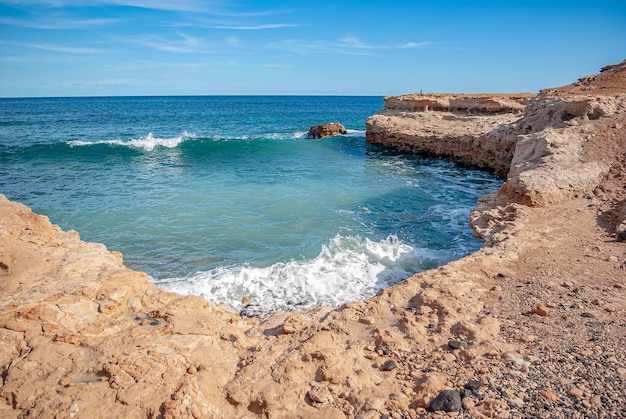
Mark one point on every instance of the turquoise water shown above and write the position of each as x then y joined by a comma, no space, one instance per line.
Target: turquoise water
225,197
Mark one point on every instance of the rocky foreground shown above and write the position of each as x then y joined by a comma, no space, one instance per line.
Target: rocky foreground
532,325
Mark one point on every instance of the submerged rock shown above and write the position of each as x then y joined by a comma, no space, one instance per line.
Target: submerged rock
326,130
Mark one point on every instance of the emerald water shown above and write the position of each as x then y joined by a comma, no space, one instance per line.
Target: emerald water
224,197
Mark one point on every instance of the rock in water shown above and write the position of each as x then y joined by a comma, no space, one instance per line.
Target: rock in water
326,130
447,401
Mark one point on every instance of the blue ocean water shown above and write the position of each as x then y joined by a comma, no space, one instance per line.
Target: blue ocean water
225,197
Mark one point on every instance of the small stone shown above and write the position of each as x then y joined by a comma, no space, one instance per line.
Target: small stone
389,365
245,300
540,310
320,394
575,392
473,385
457,344
449,357
468,403
621,372
596,401
382,350
588,315
192,370
549,395
516,402
447,401
366,320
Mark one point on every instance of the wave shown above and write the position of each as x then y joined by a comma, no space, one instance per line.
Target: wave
150,142
347,269
350,133
147,143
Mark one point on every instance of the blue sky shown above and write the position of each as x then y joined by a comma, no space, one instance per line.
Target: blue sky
194,47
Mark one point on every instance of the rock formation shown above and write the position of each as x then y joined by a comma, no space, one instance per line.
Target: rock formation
461,128
326,130
83,336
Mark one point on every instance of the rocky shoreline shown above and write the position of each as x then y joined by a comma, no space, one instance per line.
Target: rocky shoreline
532,325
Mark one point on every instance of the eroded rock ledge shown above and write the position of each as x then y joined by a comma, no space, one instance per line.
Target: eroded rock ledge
532,322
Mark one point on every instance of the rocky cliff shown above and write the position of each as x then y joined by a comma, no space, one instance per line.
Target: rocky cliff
457,127
532,324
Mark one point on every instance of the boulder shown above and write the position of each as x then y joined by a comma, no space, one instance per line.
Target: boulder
326,130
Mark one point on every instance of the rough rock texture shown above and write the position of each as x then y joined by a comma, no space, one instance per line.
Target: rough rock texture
83,336
471,104
326,130
461,128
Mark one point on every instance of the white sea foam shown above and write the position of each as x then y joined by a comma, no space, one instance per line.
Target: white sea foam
349,133
355,133
147,143
347,269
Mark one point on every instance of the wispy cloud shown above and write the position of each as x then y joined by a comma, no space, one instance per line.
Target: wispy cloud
349,45
251,27
184,44
51,23
178,5
413,45
54,47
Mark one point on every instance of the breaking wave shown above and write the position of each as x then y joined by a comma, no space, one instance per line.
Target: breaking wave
347,269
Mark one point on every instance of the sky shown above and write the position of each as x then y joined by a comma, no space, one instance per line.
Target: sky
323,47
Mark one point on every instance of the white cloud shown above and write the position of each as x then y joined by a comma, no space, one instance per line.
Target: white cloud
51,23
55,48
413,45
184,45
252,27
353,42
204,6
349,45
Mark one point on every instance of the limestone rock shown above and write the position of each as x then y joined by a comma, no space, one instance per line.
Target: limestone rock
326,130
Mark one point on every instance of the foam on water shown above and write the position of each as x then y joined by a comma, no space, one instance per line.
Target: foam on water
147,143
347,269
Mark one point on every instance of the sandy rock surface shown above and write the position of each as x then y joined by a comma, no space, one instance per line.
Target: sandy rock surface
532,325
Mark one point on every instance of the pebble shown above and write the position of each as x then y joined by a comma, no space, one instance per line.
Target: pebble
575,392
457,344
382,350
596,401
389,365
320,394
449,358
540,310
549,395
473,385
367,320
468,403
447,401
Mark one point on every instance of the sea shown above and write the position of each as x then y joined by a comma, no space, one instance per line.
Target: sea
225,197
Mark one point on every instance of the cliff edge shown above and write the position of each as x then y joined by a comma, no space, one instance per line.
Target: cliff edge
531,325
